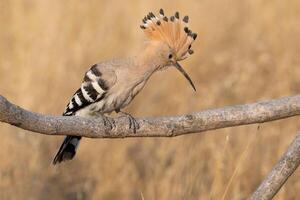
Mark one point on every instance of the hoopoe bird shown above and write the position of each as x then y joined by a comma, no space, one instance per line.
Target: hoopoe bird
110,86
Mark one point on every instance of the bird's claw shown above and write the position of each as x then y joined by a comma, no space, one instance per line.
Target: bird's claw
108,121
133,124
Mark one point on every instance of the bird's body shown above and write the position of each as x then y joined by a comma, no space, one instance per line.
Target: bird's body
110,86
106,87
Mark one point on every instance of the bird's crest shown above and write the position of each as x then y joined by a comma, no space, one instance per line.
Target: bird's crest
173,31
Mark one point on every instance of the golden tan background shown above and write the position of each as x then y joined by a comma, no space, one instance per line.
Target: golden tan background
245,51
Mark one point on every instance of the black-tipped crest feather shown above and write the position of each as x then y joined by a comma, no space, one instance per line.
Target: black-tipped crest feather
161,11
171,30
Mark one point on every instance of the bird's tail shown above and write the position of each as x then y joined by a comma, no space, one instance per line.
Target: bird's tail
67,150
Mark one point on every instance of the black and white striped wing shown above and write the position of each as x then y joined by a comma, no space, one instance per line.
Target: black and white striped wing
93,88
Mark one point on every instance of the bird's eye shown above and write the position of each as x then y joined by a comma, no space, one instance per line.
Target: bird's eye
170,56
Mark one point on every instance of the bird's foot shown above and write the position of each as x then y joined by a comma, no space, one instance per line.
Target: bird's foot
133,124
108,122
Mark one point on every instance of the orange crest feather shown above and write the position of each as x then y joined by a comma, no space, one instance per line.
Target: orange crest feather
173,31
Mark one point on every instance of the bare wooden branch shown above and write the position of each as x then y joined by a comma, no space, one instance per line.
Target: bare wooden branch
151,127
280,173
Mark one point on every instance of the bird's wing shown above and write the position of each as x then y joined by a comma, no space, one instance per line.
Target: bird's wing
97,80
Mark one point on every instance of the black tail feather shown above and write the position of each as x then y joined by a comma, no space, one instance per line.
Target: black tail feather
67,150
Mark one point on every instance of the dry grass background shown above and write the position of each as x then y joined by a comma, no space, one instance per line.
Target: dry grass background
246,51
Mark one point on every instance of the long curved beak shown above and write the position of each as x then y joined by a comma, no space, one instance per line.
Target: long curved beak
184,74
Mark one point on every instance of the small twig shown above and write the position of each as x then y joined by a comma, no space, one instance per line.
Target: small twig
280,173
242,158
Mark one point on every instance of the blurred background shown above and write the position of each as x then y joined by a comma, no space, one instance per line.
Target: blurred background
246,51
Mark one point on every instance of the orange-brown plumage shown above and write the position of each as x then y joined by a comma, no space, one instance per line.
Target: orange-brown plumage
173,31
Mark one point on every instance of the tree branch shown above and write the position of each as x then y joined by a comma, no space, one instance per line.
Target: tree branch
280,173
151,127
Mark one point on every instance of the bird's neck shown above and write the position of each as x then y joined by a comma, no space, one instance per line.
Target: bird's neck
147,61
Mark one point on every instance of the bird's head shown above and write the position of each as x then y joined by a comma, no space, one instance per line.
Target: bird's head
170,38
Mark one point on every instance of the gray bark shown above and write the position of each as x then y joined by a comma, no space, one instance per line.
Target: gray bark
280,173
151,127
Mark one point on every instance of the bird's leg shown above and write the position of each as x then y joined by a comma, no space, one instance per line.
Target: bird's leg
107,121
133,124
